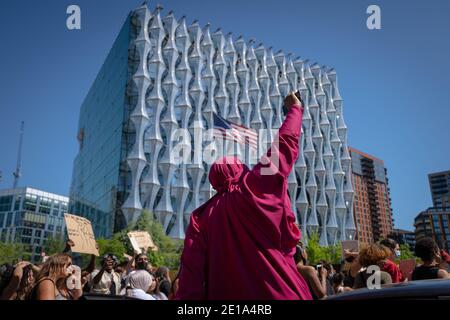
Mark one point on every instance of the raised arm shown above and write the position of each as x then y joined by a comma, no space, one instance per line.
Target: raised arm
280,158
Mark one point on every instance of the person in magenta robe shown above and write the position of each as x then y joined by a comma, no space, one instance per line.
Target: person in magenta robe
239,245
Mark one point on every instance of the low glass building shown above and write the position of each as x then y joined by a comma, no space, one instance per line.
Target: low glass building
31,216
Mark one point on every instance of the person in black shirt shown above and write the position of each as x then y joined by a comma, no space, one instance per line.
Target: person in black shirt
427,250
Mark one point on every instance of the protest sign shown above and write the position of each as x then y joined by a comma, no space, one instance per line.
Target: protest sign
350,245
79,230
407,267
141,240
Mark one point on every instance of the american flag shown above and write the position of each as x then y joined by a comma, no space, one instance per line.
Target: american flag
234,132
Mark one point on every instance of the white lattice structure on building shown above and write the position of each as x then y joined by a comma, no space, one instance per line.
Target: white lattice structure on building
182,74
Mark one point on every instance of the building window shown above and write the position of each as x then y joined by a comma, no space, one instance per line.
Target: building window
30,203
9,219
5,203
26,240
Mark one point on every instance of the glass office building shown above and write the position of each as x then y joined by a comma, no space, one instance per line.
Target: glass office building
162,77
97,189
440,188
435,223
30,217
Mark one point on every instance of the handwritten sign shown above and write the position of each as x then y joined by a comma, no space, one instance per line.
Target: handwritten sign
350,245
407,267
141,239
79,230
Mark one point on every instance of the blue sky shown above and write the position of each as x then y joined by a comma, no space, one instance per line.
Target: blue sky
395,81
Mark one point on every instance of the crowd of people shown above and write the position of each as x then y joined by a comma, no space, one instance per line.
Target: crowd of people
239,245
354,272
57,278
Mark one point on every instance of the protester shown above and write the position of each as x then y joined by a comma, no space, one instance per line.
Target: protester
247,230
338,284
428,251
351,267
141,262
330,273
48,282
154,290
317,283
174,286
18,282
86,272
139,283
445,260
163,277
6,273
106,280
372,255
121,270
389,265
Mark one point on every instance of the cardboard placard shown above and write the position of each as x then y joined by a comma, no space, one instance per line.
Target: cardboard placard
79,230
351,245
141,240
407,267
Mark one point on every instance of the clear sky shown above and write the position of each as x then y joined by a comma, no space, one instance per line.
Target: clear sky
395,81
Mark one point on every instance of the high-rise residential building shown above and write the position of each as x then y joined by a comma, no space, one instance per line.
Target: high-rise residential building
404,237
163,77
440,189
372,205
434,222
30,217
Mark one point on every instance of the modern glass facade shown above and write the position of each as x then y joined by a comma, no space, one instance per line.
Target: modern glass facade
96,182
440,188
434,222
31,216
404,237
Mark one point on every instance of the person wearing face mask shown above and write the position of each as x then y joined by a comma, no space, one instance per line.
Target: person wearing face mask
389,265
141,261
106,280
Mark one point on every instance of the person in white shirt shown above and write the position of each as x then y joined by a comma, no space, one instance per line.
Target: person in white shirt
139,283
106,280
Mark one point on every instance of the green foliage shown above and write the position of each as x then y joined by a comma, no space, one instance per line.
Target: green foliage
114,246
11,252
54,245
406,253
316,252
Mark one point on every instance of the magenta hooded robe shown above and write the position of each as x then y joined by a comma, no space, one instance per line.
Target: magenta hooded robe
239,245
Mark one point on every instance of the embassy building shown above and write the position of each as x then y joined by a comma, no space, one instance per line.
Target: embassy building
164,76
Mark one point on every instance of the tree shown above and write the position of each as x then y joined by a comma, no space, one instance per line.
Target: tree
316,252
114,246
11,252
406,253
54,245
